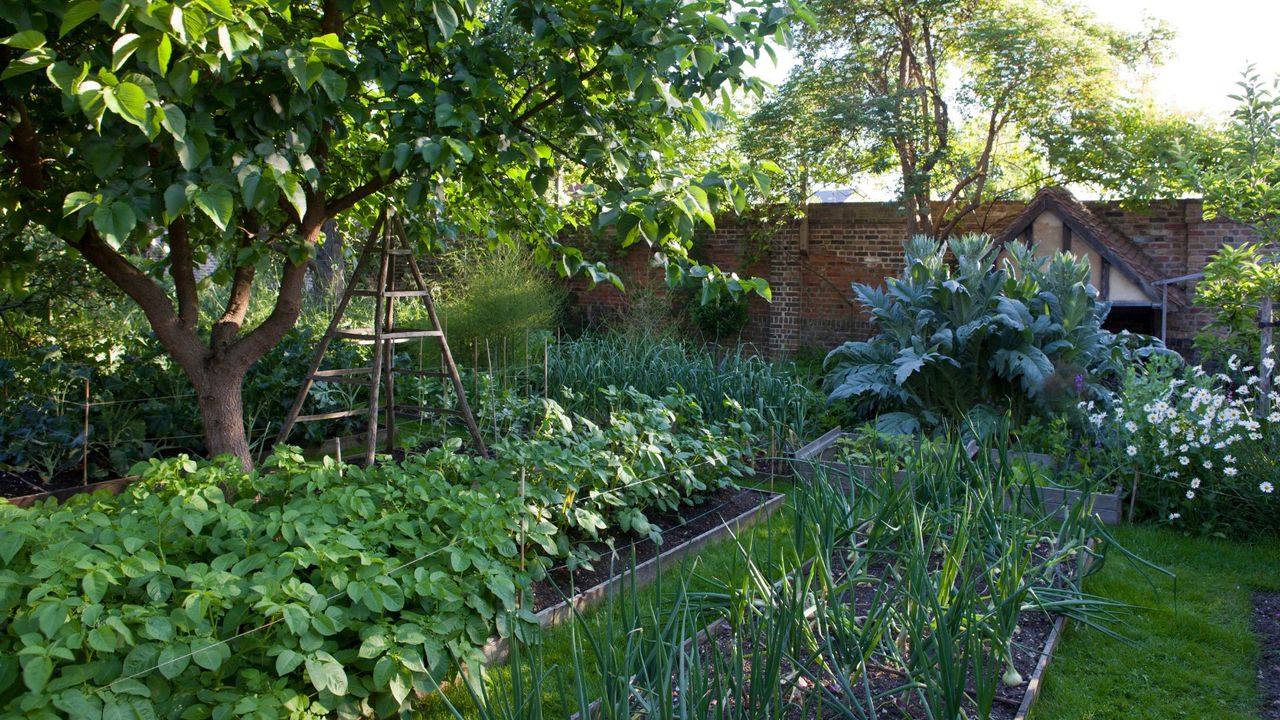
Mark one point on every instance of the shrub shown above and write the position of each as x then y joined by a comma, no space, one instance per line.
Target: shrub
721,317
1235,281
997,331
495,295
312,589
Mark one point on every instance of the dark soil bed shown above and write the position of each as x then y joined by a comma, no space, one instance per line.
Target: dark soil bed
677,526
1266,623
14,485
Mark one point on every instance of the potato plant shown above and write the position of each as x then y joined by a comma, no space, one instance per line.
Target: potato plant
309,589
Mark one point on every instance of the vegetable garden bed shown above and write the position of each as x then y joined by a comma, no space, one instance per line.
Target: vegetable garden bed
824,453
720,517
751,660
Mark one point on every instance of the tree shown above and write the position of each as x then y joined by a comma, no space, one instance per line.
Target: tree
204,128
1240,180
963,99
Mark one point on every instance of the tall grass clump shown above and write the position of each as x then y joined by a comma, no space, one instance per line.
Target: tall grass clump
495,295
577,368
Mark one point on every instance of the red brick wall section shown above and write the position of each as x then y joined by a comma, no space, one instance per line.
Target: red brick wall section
813,304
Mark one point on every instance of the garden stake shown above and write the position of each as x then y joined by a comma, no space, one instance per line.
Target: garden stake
546,368
1133,495
84,442
1266,323
493,400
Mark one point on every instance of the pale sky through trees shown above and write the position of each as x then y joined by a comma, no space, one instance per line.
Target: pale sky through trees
1214,43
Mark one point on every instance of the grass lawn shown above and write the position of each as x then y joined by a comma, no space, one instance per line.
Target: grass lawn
710,569
1192,653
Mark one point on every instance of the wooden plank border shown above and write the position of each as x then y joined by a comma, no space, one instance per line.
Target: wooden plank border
115,487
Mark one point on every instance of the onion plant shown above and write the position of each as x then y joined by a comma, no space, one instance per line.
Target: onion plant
903,598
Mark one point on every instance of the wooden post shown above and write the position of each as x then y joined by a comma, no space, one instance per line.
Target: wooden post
84,442
493,399
375,384
1266,317
1133,495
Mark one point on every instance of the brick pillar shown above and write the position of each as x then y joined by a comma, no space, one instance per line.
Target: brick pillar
785,278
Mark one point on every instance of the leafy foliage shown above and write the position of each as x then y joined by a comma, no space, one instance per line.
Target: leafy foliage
236,131
1000,330
784,406
962,102
1242,177
1236,279
140,406
308,589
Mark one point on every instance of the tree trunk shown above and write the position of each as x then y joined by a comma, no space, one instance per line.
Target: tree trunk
218,390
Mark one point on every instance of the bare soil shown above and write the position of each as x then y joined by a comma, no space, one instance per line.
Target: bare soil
1266,623
677,526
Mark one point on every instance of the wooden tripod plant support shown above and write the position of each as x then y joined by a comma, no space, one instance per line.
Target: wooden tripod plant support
384,257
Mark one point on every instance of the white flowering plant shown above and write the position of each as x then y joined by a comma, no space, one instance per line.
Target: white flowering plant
1206,460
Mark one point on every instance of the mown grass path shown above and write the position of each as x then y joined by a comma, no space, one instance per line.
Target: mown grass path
1191,651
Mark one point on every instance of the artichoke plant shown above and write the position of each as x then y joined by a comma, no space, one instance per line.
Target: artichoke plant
969,330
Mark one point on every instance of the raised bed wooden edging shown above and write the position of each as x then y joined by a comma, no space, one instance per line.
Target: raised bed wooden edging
115,487
1107,506
1036,682
495,651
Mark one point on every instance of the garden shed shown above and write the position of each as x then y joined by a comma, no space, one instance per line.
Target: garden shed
1055,221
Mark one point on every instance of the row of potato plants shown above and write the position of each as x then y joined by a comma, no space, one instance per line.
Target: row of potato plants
888,599
316,589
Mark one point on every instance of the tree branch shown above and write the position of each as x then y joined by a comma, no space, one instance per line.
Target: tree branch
342,203
288,305
181,342
182,268
555,96
228,326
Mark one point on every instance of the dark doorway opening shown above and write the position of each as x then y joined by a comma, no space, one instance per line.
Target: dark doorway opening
1135,319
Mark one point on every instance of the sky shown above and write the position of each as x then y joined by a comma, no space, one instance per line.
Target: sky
1214,41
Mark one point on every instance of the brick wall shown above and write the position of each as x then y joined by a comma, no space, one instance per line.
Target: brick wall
813,305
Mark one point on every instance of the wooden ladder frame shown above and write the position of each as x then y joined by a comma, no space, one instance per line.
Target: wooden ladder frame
388,240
